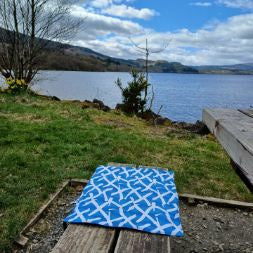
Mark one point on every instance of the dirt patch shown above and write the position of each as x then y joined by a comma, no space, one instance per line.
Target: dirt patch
30,118
180,134
24,117
207,228
117,124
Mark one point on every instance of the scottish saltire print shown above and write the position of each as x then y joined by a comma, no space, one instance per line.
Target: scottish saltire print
144,199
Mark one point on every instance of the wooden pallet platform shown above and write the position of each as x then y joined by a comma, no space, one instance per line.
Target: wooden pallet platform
96,239
234,130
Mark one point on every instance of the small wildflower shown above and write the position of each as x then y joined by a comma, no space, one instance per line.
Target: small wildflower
16,85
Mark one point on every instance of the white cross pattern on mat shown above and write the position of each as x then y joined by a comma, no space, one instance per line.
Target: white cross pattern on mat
144,199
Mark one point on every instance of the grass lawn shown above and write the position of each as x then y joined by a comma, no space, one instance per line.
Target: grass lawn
43,142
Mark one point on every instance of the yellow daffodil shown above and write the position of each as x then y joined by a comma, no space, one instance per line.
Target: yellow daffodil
15,85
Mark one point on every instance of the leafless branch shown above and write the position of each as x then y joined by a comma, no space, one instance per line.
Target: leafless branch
27,27
148,51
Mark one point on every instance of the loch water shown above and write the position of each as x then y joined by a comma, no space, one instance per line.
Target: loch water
183,96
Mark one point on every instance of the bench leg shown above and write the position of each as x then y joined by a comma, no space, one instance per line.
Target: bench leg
240,173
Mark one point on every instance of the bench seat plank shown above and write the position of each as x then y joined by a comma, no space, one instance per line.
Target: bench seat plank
248,112
86,239
139,242
234,130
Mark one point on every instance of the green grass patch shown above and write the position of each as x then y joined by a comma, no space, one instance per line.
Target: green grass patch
43,142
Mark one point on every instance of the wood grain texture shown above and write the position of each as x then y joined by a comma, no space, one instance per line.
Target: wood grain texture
248,112
218,202
138,242
86,239
234,130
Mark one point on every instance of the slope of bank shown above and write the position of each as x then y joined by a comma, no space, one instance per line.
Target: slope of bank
43,142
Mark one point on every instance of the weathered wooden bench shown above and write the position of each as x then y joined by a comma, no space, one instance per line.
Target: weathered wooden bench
234,130
96,239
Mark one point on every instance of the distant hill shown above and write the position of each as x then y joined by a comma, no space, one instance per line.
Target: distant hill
67,57
173,67
237,69
58,56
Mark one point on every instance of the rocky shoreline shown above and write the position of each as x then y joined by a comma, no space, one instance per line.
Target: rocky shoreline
151,117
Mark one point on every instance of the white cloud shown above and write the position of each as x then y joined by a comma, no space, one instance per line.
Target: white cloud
129,12
242,4
119,8
226,42
100,3
104,25
202,4
106,3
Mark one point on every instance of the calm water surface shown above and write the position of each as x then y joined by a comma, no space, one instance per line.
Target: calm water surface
183,96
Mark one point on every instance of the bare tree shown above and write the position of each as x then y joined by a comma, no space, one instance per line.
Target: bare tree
27,28
148,51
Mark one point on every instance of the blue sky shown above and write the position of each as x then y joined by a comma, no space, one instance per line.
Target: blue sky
178,14
196,32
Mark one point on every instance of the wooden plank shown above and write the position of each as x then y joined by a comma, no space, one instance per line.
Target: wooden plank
134,241
218,202
248,112
138,242
86,239
44,207
21,239
234,131
76,182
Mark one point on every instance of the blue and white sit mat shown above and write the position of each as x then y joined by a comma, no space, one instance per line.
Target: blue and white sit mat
143,199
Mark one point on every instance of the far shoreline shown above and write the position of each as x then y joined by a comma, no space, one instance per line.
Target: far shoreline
165,73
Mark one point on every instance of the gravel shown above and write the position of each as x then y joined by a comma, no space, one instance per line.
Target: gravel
45,234
207,228
211,229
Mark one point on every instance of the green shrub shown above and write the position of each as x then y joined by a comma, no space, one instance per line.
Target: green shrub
133,101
